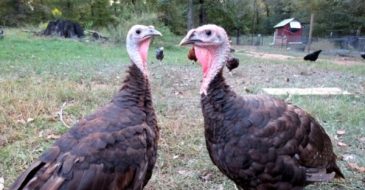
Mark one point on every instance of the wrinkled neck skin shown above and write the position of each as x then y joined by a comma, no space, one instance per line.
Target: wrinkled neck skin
212,64
138,54
136,85
216,96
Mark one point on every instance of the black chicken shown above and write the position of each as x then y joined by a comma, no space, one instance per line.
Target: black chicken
159,54
113,148
312,56
259,142
363,55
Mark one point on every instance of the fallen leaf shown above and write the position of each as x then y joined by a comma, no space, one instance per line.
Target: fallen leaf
356,167
30,120
349,157
341,144
206,176
341,132
53,136
2,181
185,173
40,134
220,187
175,156
21,121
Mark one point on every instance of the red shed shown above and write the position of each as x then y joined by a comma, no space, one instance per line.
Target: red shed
288,31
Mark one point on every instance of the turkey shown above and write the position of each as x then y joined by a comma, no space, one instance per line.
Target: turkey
312,56
232,63
159,54
113,148
259,142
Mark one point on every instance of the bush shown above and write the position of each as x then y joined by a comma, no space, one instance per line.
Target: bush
118,32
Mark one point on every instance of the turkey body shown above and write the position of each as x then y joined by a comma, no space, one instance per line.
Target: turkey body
261,142
113,148
159,54
232,63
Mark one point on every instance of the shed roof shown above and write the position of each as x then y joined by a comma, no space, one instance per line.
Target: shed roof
284,22
295,24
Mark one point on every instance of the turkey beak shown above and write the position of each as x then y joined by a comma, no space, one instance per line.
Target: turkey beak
190,38
151,33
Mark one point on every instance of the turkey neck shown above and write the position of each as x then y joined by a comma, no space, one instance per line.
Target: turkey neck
218,100
135,89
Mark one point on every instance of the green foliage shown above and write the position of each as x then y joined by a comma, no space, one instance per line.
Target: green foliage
118,30
237,16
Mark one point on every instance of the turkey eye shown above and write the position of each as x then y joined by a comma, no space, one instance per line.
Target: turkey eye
138,31
208,32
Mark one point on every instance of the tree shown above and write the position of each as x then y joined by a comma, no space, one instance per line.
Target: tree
190,16
312,7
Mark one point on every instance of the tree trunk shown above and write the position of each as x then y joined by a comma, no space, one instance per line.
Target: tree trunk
92,10
202,13
253,21
190,23
17,6
308,47
238,34
267,9
68,4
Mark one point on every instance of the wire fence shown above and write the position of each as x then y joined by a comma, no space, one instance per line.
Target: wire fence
345,46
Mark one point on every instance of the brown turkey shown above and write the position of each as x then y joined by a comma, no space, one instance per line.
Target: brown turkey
232,63
113,148
259,142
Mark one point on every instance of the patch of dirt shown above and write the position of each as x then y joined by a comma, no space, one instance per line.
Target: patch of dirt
347,61
269,55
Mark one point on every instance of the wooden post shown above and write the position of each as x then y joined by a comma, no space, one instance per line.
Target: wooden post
238,35
308,47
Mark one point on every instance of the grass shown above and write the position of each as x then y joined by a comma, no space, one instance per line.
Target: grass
37,75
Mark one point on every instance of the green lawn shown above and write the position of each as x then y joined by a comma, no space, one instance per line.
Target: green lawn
38,75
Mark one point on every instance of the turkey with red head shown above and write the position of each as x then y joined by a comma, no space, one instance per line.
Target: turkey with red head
113,148
258,141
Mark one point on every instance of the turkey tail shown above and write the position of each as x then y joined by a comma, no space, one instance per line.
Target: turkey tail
27,175
334,168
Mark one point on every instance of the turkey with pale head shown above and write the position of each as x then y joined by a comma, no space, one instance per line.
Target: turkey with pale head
258,141
113,148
